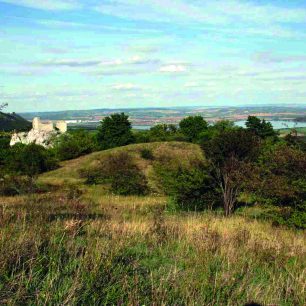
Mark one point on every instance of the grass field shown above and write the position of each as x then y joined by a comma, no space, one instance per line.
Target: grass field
300,130
82,245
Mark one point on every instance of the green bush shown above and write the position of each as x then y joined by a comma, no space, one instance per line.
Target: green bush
147,154
74,144
190,187
294,217
121,172
11,185
4,149
29,160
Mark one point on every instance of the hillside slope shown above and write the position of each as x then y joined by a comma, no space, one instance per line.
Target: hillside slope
69,170
80,244
11,122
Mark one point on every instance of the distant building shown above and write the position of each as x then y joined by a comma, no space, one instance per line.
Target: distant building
48,126
42,133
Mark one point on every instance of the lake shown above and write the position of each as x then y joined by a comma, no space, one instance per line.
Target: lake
278,124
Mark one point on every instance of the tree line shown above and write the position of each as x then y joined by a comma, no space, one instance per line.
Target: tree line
251,162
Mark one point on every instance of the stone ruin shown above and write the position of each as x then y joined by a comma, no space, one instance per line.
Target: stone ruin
42,133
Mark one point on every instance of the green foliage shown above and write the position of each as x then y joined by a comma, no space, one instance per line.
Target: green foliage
115,131
261,128
230,155
11,185
192,127
146,153
282,175
12,122
189,185
292,217
191,189
165,132
238,143
216,129
74,144
141,136
4,149
295,141
121,172
29,160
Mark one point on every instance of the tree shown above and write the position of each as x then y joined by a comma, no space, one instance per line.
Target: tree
192,127
261,128
30,160
282,184
2,106
164,132
114,131
231,154
74,144
215,130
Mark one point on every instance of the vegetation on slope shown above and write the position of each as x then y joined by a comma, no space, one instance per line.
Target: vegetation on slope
144,224
12,122
81,245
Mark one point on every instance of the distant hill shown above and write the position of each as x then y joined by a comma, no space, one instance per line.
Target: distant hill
11,122
301,119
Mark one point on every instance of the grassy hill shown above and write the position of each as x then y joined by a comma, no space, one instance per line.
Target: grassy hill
11,122
82,245
69,170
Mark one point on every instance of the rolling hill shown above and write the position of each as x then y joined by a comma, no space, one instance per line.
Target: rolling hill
11,122
81,244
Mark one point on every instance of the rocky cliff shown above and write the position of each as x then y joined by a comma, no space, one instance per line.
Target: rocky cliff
43,138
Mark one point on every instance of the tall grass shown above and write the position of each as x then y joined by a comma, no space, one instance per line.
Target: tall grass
93,248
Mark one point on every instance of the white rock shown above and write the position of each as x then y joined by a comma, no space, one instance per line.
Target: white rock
43,138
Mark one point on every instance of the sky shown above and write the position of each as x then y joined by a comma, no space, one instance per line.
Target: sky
87,54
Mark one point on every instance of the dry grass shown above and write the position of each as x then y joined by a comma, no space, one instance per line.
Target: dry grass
81,245
69,170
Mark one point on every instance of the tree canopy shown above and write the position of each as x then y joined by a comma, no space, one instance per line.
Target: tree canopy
193,126
261,128
115,131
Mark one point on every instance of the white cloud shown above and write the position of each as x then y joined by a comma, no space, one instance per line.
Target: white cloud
49,5
191,85
241,16
173,68
125,87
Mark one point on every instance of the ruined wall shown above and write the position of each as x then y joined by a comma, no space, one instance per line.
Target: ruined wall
42,126
61,126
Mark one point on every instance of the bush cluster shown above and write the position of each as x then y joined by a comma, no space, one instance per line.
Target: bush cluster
74,144
121,172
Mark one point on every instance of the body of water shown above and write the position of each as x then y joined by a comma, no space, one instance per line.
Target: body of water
278,124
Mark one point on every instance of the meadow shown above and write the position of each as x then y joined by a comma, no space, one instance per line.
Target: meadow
78,244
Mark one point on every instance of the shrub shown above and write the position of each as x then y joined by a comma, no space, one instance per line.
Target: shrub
11,185
165,132
30,160
190,188
283,175
187,181
147,154
120,171
74,144
4,149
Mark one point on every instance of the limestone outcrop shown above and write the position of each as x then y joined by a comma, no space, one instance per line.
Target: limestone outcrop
42,133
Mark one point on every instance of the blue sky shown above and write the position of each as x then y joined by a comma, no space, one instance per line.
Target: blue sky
77,54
